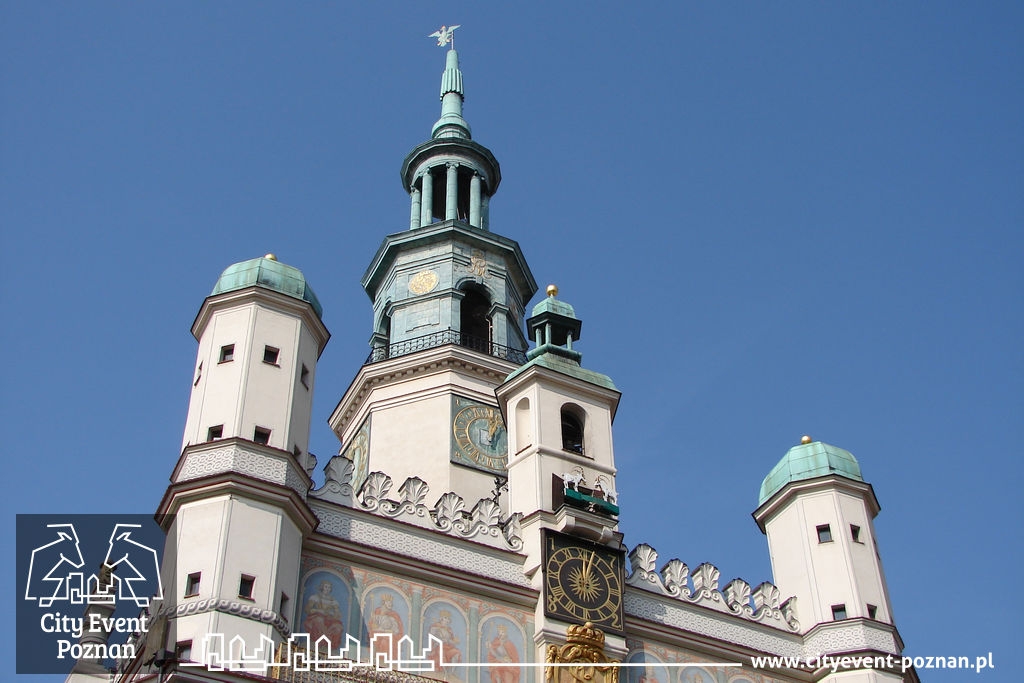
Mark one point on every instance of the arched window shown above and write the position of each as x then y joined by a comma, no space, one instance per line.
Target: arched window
474,326
572,431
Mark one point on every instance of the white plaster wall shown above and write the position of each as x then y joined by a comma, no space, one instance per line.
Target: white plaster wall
246,392
825,574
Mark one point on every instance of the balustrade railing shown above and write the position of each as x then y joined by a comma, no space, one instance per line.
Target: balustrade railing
435,339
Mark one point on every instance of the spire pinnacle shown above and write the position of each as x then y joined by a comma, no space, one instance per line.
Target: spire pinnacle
451,124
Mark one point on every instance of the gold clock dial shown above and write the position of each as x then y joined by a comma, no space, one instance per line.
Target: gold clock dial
582,582
479,436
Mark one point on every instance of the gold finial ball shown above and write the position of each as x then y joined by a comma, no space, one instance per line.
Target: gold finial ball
552,290
805,439
270,257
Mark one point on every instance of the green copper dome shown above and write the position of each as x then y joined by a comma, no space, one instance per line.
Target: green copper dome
807,461
270,273
550,304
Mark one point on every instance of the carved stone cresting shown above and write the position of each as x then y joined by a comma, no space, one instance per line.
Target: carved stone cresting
584,645
700,587
345,523
337,488
483,522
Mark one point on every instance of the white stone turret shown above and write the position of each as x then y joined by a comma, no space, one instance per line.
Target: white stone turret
818,514
260,336
559,418
235,513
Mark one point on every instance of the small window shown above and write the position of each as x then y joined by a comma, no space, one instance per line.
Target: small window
270,355
855,533
245,585
192,584
838,612
304,377
824,533
199,374
183,651
227,353
572,432
296,452
284,606
215,432
261,435
872,611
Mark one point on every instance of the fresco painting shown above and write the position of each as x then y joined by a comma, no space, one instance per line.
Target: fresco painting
445,621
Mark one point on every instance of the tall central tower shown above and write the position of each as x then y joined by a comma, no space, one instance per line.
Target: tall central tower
448,306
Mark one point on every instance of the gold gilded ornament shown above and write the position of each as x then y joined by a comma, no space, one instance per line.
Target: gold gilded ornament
423,282
584,646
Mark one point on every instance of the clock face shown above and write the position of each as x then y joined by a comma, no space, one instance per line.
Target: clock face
479,438
582,582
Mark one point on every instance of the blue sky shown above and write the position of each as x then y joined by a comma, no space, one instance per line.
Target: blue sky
773,219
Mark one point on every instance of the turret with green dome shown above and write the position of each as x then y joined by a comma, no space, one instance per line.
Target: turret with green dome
268,272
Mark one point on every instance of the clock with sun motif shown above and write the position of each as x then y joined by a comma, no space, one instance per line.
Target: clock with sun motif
583,582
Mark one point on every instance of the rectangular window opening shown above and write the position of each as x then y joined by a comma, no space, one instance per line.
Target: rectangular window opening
192,584
838,612
824,533
245,586
215,432
261,435
872,611
855,533
270,355
227,353
199,374
304,377
183,651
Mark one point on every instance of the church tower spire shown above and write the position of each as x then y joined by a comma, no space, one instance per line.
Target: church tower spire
451,124
449,300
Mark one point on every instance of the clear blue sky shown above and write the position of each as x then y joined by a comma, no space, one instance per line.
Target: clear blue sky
773,219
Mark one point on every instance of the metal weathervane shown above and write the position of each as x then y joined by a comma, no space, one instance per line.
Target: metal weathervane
445,35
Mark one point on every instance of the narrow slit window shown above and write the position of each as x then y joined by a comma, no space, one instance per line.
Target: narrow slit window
304,376
872,611
824,533
261,435
838,612
199,374
215,432
227,353
284,606
192,584
245,586
270,355
855,533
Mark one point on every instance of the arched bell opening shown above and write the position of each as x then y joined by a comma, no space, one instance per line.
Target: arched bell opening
474,322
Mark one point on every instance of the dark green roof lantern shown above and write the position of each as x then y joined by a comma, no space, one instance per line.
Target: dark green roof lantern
554,327
271,274
809,460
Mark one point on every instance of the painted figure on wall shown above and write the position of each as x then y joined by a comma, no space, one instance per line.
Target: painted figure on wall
449,652
323,617
385,619
695,675
652,672
501,652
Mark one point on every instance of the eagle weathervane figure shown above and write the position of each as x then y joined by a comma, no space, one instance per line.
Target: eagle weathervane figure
445,35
